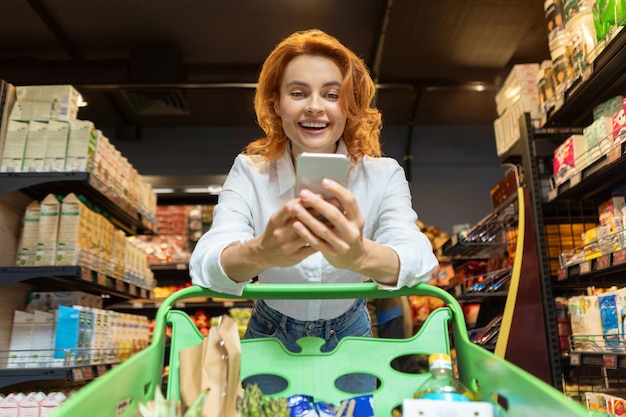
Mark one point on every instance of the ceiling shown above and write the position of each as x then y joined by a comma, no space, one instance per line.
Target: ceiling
194,63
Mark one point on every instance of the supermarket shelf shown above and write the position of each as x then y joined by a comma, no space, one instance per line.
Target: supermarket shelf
39,184
73,278
143,304
72,374
606,270
484,241
609,360
608,74
171,274
595,179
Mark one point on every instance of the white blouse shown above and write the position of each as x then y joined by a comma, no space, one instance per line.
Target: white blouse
255,189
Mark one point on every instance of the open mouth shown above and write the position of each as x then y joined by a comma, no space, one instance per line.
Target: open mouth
313,125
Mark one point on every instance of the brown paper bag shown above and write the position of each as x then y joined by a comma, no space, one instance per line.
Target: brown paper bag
213,365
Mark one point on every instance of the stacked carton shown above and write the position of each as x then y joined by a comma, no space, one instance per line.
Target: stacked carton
518,95
40,114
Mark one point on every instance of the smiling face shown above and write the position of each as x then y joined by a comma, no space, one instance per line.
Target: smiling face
309,105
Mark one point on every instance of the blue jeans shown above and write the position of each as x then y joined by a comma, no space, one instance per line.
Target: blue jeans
267,322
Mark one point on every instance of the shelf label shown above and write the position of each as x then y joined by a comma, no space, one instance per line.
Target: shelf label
132,290
102,279
575,179
562,274
181,267
552,194
609,361
585,267
85,274
101,369
614,154
604,261
619,257
88,373
77,374
574,358
137,304
119,285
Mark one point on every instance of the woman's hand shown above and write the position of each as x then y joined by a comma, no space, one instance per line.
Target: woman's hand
280,244
339,235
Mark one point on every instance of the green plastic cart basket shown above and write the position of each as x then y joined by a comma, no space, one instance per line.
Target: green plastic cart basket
118,392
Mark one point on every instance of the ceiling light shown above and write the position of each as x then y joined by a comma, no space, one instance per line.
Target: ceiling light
163,190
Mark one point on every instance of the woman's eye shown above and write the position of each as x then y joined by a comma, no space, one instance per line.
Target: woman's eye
297,94
332,96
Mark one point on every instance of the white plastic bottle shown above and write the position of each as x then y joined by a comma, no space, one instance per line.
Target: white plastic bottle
441,384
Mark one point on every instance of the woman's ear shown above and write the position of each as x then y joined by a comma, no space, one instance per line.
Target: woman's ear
277,108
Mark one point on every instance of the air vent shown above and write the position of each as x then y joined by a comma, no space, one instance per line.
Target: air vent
156,102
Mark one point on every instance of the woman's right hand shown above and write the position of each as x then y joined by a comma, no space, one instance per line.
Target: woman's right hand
279,244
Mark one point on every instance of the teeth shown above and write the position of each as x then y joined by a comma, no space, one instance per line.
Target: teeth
313,125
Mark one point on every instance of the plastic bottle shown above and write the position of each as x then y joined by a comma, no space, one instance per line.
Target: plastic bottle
441,384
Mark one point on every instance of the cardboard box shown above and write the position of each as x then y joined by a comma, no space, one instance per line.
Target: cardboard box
50,301
61,93
584,313
43,339
29,406
569,158
81,145
29,235
71,227
611,208
10,405
56,146
42,111
14,145
35,149
48,231
51,403
619,125
21,338
72,335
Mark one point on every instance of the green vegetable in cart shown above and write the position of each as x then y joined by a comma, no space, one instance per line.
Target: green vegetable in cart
255,404
161,407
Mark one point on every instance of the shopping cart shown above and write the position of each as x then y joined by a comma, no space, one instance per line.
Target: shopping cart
118,392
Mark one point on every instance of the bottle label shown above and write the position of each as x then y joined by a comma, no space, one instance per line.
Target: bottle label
445,396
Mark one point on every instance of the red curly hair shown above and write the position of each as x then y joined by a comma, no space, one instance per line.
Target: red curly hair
357,91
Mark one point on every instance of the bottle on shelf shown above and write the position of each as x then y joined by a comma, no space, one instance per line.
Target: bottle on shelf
442,384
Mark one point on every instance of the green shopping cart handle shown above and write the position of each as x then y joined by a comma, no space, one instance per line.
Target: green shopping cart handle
315,291
368,290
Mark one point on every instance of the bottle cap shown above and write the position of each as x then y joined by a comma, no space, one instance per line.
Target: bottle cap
439,360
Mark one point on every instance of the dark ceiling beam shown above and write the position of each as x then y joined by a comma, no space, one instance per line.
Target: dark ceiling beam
56,29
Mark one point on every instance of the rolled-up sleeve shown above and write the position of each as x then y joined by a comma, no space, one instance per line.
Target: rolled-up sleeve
232,224
397,229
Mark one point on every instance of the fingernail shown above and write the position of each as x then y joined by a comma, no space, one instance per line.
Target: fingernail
306,194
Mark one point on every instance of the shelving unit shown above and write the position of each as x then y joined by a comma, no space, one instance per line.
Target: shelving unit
38,184
491,238
71,278
574,201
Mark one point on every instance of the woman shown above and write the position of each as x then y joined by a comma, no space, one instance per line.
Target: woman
313,95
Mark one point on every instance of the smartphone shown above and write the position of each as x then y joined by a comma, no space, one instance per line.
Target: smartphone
312,168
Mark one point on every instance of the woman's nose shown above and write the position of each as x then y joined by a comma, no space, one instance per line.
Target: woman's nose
314,105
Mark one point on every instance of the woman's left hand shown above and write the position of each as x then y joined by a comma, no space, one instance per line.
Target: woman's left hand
340,237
